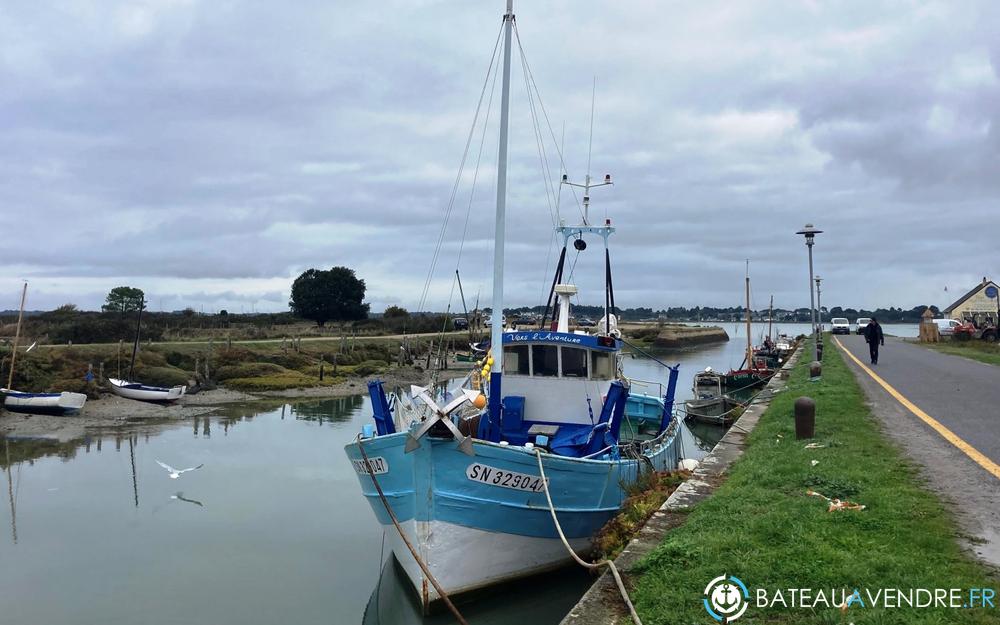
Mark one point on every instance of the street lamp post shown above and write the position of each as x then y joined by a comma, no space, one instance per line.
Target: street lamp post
810,234
819,305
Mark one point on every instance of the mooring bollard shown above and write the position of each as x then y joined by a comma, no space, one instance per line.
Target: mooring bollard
815,370
805,417
819,350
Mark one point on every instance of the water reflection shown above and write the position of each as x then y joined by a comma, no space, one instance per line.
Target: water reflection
339,409
542,599
10,491
181,497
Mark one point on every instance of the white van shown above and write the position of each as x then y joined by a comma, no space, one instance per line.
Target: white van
840,325
947,326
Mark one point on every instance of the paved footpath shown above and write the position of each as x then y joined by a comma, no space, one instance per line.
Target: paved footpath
944,411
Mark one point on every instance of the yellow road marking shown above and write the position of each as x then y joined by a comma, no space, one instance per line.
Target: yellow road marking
970,451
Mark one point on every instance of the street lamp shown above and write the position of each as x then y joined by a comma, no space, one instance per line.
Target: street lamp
819,305
810,234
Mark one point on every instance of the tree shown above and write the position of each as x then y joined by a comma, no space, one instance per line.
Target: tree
395,312
334,295
124,299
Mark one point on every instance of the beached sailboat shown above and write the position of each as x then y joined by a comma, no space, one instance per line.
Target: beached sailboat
462,488
60,403
130,389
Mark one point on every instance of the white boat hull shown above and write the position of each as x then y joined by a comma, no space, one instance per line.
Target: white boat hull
141,392
65,403
464,559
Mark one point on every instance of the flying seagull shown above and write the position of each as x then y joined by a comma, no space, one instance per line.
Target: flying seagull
176,473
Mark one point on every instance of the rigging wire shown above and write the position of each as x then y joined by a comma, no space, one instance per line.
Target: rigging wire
539,144
475,175
458,177
541,105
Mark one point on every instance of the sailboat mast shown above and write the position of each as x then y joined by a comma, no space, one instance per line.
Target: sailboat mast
496,335
135,346
749,342
770,317
17,336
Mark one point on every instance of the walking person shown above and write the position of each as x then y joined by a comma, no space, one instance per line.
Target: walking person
874,338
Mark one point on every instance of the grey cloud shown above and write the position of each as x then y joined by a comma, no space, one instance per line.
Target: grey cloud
165,144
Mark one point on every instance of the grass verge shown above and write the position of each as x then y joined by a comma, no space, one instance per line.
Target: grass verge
762,527
976,350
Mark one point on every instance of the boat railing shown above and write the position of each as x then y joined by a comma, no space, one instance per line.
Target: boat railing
647,384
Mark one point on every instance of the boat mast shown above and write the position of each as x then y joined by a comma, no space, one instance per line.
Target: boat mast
749,342
496,335
770,316
135,346
17,336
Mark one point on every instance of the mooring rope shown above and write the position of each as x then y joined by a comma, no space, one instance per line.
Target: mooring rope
406,541
578,559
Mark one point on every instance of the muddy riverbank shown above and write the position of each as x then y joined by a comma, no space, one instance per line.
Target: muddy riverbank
110,411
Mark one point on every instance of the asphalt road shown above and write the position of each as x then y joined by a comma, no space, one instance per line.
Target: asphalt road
962,395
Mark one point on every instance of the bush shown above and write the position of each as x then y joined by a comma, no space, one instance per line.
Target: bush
249,370
277,382
71,385
232,356
370,367
161,376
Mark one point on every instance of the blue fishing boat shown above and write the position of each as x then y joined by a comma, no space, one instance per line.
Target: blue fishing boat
461,488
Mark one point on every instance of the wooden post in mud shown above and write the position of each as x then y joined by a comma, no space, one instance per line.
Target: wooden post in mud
430,350
335,364
197,364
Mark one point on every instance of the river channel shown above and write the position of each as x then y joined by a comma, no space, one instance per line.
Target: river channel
273,528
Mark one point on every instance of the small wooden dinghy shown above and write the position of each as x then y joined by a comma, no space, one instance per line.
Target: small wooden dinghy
64,403
141,392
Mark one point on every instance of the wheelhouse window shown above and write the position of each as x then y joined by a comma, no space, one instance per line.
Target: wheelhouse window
602,365
574,362
515,360
546,360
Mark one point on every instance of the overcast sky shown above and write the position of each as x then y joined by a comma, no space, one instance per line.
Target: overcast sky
209,152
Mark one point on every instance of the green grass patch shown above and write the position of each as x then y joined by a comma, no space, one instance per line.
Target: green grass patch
275,382
762,527
976,350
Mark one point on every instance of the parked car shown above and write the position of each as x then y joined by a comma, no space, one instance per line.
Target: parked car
585,322
840,325
861,323
460,323
946,327
503,321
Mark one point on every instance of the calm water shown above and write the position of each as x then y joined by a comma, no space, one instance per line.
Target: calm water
272,529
